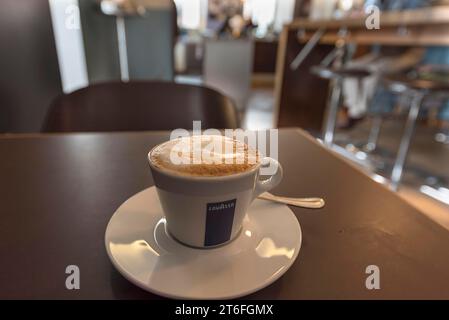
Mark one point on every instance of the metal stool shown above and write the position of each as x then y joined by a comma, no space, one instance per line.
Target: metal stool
336,76
418,89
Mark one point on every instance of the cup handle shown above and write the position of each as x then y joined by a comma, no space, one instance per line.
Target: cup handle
271,182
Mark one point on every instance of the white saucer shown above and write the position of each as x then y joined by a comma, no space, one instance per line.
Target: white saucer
139,247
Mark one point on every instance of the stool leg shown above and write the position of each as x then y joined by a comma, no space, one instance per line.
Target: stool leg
405,140
376,123
333,105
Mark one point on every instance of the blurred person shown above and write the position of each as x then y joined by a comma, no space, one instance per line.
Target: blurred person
434,65
359,95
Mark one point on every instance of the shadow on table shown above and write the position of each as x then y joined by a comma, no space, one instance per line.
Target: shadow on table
125,290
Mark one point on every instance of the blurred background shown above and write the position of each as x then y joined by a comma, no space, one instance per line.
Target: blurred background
369,79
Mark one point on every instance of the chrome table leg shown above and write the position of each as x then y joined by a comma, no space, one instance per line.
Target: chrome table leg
405,140
332,112
373,137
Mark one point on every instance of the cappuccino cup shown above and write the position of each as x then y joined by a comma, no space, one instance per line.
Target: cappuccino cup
205,185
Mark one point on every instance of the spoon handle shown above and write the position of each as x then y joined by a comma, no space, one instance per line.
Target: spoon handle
313,203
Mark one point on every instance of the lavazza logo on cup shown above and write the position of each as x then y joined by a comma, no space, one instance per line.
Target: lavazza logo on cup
219,220
206,181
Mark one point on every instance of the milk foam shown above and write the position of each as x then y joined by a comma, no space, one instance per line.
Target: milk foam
205,155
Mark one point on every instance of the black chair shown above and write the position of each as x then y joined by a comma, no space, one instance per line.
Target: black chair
29,72
139,106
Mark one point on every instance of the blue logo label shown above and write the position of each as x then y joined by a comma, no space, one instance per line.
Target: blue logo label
219,221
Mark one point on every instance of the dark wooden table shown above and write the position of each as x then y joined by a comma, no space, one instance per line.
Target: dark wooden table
59,191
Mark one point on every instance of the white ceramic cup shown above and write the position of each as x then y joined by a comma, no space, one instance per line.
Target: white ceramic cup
208,211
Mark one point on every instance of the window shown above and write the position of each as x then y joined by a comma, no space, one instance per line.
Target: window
192,14
269,12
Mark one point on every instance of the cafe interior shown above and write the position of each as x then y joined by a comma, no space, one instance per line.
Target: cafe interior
358,91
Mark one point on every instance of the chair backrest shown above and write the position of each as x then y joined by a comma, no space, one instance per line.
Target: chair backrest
29,73
150,38
139,106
